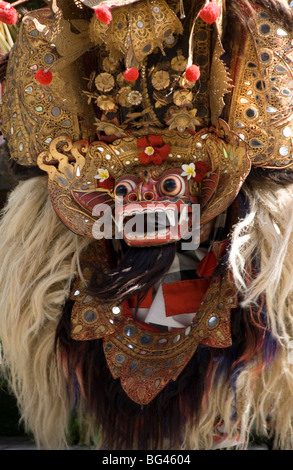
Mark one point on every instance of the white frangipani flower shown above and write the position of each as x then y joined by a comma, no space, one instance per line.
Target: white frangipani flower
102,175
188,170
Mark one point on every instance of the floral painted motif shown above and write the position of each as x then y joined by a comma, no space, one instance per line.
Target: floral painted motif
154,149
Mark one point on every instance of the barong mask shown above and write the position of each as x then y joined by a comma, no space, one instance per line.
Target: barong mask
137,107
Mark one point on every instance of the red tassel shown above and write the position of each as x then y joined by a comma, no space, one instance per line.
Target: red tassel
103,13
44,76
210,13
192,73
131,74
8,14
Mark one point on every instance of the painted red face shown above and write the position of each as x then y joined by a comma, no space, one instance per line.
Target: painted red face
151,209
150,194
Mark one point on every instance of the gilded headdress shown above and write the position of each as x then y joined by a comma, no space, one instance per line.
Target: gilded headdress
112,87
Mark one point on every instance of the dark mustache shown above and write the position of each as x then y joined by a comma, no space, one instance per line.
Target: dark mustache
138,271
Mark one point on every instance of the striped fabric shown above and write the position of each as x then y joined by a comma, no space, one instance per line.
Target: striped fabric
179,287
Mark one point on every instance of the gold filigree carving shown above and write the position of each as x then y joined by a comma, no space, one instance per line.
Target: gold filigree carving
220,83
144,360
33,114
138,28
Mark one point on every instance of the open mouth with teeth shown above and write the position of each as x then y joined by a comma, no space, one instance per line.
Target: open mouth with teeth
146,223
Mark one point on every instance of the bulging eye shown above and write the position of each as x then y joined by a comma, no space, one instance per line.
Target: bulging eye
123,188
172,185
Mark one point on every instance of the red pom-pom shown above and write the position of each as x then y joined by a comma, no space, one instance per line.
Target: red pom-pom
8,14
210,13
103,13
44,76
131,74
192,73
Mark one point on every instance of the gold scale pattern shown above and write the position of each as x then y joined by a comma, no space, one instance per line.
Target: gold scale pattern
261,107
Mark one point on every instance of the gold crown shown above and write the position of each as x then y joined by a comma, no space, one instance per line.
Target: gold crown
90,99
261,74
73,168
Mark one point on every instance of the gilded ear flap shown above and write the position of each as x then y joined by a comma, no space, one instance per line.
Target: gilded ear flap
261,110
